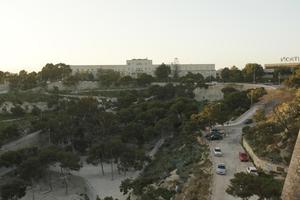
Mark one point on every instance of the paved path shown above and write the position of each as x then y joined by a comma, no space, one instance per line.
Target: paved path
23,142
231,147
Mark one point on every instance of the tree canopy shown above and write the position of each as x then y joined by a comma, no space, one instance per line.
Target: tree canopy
162,72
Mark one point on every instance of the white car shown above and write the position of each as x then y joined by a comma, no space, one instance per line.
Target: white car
252,170
217,151
221,169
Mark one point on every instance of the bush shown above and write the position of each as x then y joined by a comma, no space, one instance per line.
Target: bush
18,111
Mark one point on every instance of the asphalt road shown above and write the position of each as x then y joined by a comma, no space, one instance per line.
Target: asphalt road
230,146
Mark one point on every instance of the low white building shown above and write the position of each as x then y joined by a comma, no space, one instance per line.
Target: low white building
135,67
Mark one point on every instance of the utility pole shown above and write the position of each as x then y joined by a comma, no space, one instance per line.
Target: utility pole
254,75
251,97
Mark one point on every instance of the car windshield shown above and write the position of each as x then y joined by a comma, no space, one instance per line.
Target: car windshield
221,166
218,150
253,170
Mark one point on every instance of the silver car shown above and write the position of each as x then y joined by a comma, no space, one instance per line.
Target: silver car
217,151
221,169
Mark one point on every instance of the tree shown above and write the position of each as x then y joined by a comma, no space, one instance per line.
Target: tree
127,99
133,132
68,161
51,72
211,114
11,159
192,80
114,149
71,81
245,185
17,111
97,155
10,132
144,79
256,93
36,111
253,72
162,72
49,156
108,77
293,80
231,75
126,80
126,186
31,170
13,190
259,116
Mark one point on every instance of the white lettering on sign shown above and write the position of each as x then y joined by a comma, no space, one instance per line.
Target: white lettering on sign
290,59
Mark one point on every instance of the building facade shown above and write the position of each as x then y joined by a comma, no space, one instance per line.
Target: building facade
135,67
291,66
280,70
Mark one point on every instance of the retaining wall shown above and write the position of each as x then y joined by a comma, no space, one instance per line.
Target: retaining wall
263,164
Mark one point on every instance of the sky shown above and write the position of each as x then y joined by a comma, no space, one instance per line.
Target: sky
222,32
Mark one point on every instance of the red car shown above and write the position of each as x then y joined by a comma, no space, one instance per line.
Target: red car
243,157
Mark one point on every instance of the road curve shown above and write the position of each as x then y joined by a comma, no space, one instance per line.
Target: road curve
231,146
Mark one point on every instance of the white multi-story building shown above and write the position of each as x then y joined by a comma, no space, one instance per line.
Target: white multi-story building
135,67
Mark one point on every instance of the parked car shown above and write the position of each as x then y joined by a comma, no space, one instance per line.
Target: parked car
248,121
221,169
217,151
243,157
252,170
214,130
215,137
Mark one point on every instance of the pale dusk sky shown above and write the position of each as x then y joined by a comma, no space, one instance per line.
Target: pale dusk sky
223,32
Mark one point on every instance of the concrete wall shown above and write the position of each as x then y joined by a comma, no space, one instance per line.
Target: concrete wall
263,164
291,188
214,91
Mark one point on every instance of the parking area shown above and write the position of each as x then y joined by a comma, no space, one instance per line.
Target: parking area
230,146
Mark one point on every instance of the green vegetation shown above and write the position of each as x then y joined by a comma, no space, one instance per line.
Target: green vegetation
12,130
24,80
20,97
32,164
120,138
234,104
123,132
294,80
162,72
14,189
274,135
252,72
181,153
264,186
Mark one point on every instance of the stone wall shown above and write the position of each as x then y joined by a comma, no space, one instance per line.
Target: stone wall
82,85
291,188
214,91
261,163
